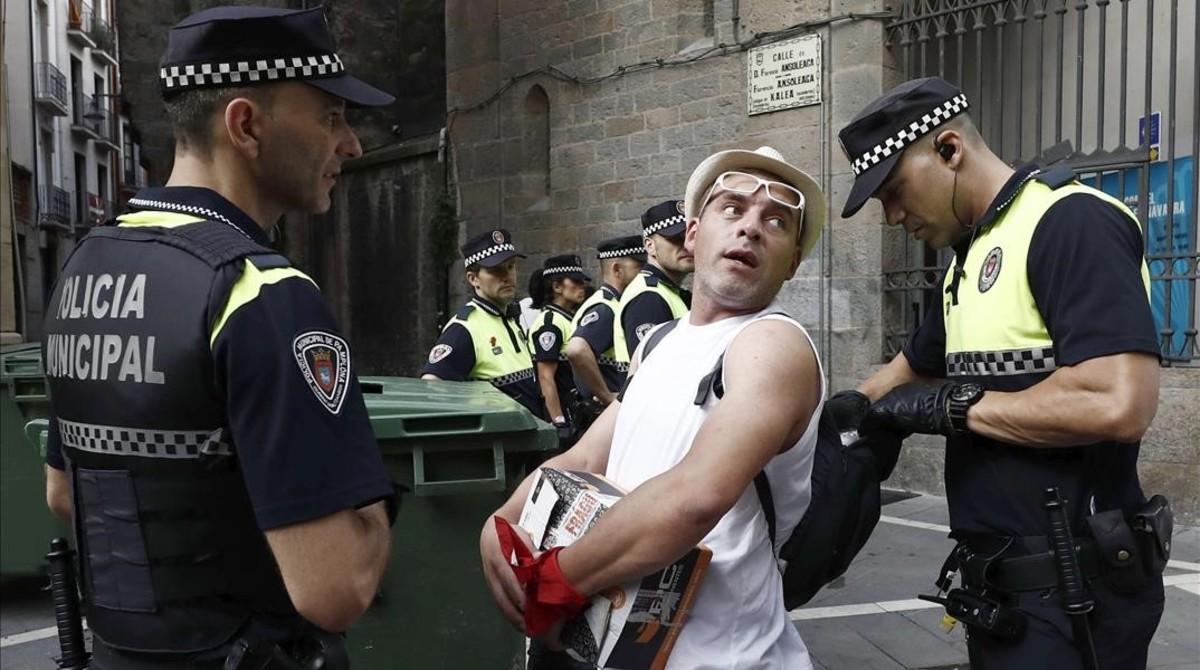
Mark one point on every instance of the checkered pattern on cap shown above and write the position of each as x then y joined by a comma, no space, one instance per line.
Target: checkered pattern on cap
1000,363
197,75
909,134
659,225
562,270
492,250
127,441
619,253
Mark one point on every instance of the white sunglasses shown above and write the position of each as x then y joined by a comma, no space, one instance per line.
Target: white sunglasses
741,182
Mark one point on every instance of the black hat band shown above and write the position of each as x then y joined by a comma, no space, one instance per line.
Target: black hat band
659,225
895,144
490,251
196,75
621,253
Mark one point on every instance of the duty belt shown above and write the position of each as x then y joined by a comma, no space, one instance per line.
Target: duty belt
1017,563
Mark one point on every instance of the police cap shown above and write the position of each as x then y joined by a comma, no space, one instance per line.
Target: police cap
489,249
629,246
665,218
564,266
241,46
874,140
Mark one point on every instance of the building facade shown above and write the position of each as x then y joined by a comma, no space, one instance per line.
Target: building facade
74,154
566,120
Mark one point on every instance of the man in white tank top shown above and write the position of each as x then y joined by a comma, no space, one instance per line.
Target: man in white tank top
751,219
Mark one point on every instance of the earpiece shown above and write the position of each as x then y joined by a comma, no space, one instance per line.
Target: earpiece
946,151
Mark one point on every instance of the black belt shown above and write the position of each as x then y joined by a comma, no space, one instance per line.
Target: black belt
1028,565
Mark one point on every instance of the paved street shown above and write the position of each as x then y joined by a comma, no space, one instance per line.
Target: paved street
870,620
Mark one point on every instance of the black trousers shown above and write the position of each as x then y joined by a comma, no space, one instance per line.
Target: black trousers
1122,628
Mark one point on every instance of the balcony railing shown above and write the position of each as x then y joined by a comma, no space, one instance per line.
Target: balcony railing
91,119
54,205
103,39
79,22
50,89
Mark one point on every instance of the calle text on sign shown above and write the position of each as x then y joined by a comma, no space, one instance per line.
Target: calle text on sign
784,75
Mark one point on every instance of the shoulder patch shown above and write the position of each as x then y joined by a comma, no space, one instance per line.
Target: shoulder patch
439,352
324,361
546,341
644,328
591,317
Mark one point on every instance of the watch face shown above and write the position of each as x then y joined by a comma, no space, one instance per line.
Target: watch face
966,392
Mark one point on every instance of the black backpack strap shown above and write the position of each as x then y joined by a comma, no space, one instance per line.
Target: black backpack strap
712,382
763,488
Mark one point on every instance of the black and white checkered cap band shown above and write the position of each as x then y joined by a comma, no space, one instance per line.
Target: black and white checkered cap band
195,75
619,253
895,144
562,270
126,441
1000,363
490,251
665,223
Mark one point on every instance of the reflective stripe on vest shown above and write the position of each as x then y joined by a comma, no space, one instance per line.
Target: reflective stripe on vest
637,287
996,328
498,358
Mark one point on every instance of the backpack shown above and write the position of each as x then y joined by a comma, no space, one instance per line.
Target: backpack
845,500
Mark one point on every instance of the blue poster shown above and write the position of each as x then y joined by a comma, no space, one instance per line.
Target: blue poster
1164,285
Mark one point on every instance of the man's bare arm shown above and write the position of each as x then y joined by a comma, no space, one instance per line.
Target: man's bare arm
583,363
58,494
1101,399
654,524
895,373
332,566
545,378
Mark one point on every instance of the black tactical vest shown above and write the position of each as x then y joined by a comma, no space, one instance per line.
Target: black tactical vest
172,559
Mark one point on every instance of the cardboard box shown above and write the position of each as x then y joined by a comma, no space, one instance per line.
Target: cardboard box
633,627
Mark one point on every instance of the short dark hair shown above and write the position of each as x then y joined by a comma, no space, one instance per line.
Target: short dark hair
191,112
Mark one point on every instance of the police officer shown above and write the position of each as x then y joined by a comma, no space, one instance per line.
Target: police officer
1040,366
557,289
597,372
484,341
229,497
654,296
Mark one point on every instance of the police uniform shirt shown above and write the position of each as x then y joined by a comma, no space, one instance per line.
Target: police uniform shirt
458,357
648,309
548,341
295,412
1085,271
594,325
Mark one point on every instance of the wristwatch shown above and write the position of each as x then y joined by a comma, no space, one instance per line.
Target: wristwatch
961,398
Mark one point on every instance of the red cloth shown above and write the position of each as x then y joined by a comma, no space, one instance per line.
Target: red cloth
549,597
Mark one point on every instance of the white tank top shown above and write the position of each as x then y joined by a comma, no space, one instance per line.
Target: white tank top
738,619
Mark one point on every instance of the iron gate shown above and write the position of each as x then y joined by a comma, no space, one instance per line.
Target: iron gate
1107,86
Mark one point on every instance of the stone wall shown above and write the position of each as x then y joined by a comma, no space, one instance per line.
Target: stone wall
612,148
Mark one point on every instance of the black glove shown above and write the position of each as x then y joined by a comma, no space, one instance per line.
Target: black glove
846,409
912,408
565,433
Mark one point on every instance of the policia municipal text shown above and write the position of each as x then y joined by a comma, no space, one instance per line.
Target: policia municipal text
208,435
1040,366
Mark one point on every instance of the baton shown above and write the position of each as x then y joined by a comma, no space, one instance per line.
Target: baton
66,606
1075,598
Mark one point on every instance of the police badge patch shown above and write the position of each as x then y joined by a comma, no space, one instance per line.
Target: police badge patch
324,360
591,317
546,341
439,352
990,269
643,329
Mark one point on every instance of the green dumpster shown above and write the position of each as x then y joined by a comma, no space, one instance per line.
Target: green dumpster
462,448
26,525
